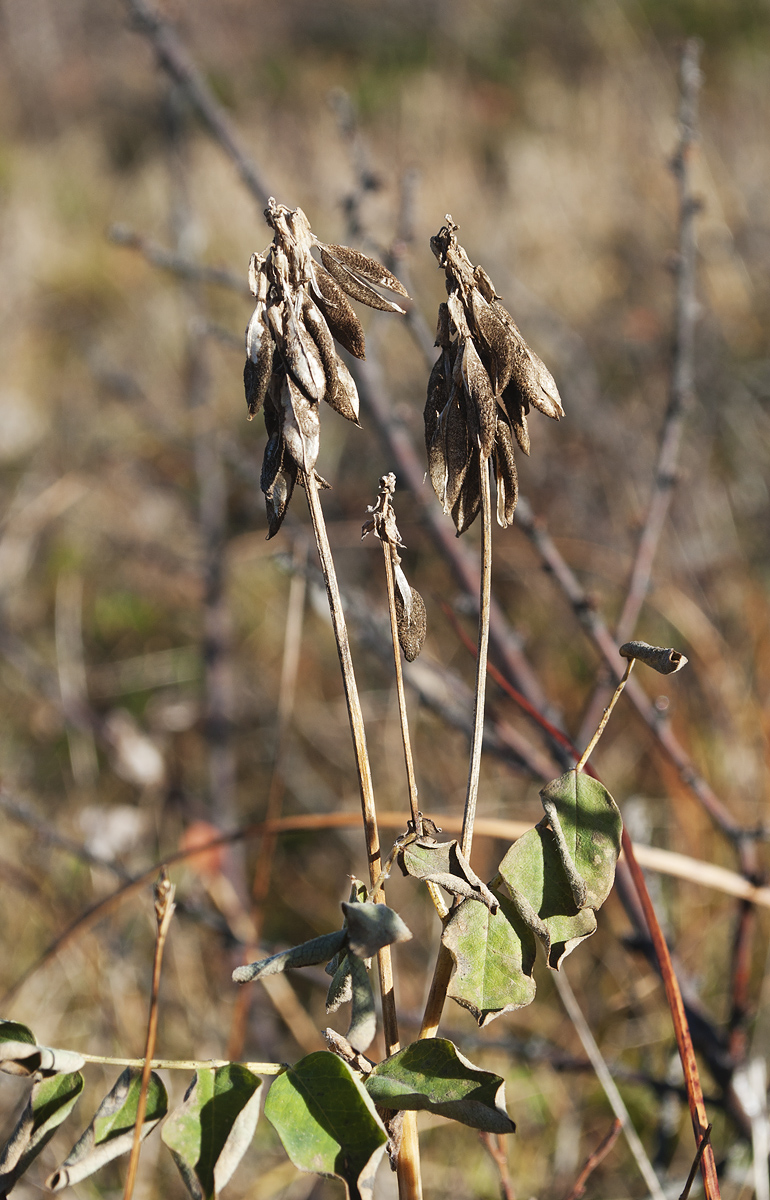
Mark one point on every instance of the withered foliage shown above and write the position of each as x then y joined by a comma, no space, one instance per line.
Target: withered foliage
481,389
291,360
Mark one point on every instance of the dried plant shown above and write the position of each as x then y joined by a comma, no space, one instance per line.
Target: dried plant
291,360
480,389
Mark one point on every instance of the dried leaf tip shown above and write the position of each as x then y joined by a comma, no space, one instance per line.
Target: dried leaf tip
664,660
410,614
301,308
480,390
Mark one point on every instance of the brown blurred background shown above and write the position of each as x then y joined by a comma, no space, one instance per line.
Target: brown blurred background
133,529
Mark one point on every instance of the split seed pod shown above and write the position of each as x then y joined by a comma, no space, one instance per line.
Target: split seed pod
411,617
292,364
480,390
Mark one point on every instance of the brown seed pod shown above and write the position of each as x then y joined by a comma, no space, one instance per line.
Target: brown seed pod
506,476
493,335
479,391
340,317
411,632
301,426
299,353
458,450
356,287
341,392
516,408
663,659
438,395
368,268
468,503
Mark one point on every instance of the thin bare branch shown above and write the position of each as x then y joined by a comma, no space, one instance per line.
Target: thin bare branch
594,1159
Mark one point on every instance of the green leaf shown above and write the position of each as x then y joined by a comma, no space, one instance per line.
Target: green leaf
21,1055
587,826
363,1017
533,874
494,955
433,1075
317,950
327,1122
444,863
111,1132
372,926
211,1130
50,1102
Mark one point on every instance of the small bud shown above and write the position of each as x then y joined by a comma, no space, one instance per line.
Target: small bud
664,660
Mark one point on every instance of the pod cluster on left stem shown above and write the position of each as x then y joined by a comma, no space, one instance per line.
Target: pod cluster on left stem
301,310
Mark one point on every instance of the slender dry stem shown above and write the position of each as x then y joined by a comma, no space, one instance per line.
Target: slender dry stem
485,597
164,911
389,1020
584,757
594,1159
608,1083
387,551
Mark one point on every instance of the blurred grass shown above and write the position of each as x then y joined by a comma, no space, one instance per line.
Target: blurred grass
545,130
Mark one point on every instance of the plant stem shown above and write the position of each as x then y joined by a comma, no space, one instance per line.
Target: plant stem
185,1064
584,757
164,911
408,760
469,815
389,1020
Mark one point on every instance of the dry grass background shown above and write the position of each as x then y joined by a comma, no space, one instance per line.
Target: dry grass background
545,129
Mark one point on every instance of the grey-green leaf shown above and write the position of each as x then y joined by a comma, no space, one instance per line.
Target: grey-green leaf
212,1129
372,926
317,950
111,1132
327,1122
363,1017
540,891
587,826
50,1102
494,956
433,1075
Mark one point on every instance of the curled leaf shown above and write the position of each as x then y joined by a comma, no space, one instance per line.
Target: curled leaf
663,659
372,926
341,987
432,1075
50,1102
21,1055
317,950
363,1017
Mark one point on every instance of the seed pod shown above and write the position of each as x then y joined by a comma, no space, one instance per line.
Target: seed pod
443,337
368,268
459,450
548,399
340,317
468,504
341,393
412,628
506,476
437,464
301,426
356,287
516,408
279,474
663,659
479,390
496,337
303,362
438,395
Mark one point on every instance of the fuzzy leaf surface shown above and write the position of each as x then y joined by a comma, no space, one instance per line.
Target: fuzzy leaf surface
494,956
308,954
587,825
111,1133
50,1102
433,1075
213,1127
372,926
21,1055
541,893
327,1122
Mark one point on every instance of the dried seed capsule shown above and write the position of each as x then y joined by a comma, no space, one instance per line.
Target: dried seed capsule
663,659
459,450
506,476
368,268
301,426
356,287
438,395
468,504
479,390
340,317
341,392
516,408
496,338
259,360
412,627
279,474
300,354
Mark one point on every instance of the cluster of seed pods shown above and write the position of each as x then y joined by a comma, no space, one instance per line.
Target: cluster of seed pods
480,389
292,364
